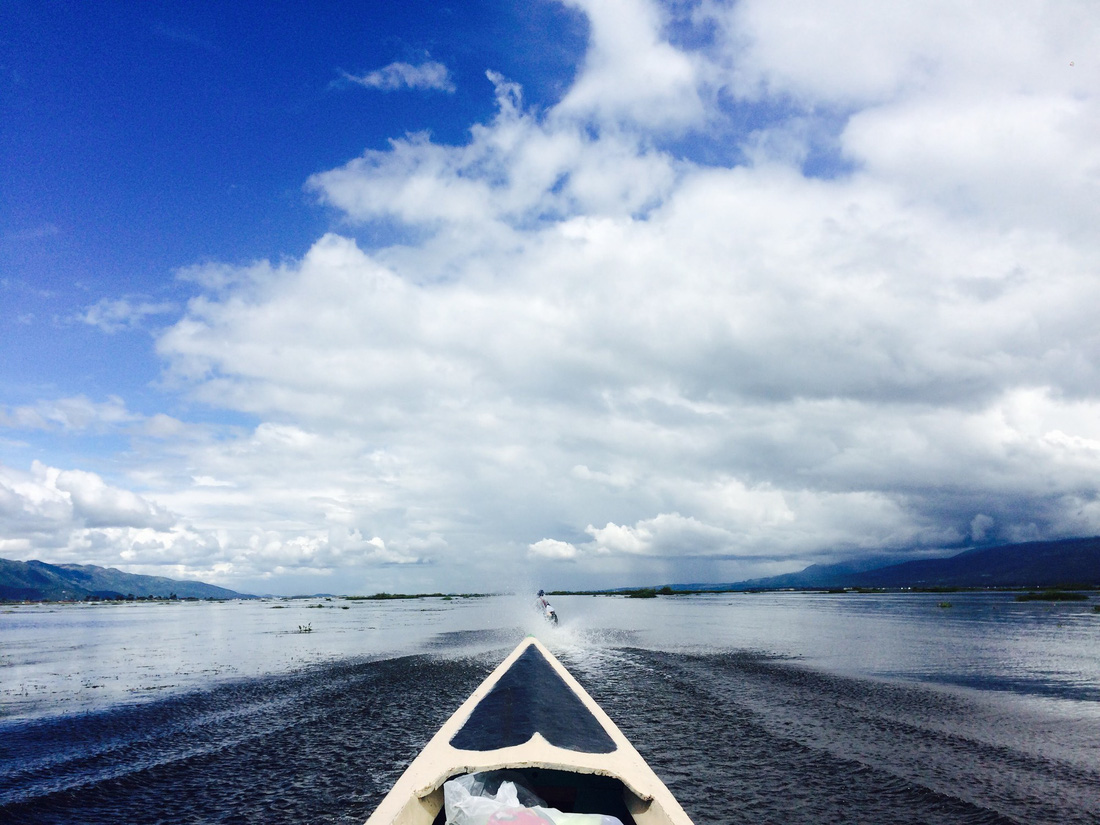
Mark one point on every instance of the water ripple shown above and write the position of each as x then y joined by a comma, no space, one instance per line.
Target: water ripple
739,737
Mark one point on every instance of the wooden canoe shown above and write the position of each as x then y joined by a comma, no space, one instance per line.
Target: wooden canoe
531,716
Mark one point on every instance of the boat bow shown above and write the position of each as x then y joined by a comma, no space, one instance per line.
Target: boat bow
529,713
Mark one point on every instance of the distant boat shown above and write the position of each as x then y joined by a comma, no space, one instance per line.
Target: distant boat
531,717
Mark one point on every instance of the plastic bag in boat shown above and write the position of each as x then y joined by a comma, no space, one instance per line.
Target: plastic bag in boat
488,799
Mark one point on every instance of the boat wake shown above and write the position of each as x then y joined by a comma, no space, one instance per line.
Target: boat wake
738,737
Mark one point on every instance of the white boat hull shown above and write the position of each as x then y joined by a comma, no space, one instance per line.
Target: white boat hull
530,714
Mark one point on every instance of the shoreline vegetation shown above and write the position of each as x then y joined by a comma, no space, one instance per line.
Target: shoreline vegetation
386,596
130,598
124,599
1067,592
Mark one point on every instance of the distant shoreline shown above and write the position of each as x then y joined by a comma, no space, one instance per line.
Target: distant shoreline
649,592
1069,592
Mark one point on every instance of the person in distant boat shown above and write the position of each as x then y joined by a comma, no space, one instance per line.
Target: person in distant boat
547,611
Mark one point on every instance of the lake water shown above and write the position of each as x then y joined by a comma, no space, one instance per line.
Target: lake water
753,707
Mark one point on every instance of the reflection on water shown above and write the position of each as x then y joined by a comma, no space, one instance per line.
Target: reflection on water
65,658
984,640
754,707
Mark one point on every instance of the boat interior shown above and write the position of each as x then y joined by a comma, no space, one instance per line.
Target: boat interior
571,792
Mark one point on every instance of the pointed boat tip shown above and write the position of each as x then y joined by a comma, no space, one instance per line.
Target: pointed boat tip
530,697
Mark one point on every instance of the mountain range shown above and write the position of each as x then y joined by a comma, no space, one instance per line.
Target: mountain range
1036,564
39,581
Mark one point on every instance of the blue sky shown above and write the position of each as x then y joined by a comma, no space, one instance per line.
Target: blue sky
360,296
140,139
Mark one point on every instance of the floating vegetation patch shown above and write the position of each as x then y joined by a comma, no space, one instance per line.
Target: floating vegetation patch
1053,596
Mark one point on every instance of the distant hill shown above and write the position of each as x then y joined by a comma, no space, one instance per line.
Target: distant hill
38,581
1034,564
814,576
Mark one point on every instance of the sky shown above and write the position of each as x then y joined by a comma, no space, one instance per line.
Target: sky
354,297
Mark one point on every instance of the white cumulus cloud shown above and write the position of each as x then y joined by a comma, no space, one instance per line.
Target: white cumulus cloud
553,549
605,349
